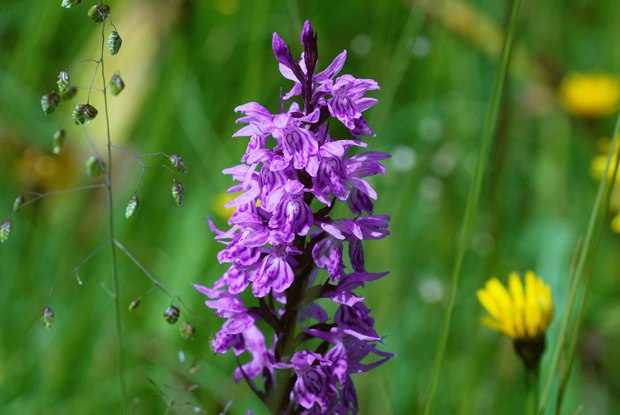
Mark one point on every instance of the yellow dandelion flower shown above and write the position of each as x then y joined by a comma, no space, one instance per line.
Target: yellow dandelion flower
590,94
518,311
522,313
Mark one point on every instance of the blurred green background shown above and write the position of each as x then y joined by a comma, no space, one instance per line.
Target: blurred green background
186,65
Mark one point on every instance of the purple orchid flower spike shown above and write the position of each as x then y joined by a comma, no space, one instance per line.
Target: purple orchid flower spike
288,254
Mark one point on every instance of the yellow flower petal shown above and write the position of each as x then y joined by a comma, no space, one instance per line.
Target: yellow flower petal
523,311
516,291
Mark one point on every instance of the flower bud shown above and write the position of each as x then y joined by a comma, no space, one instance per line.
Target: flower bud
116,84
83,113
177,163
308,39
114,42
133,204
98,12
134,304
18,203
94,166
63,81
67,4
171,314
59,141
5,230
187,331
50,102
177,192
47,317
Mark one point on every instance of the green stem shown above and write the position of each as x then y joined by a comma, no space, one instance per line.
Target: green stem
587,254
473,200
532,378
117,308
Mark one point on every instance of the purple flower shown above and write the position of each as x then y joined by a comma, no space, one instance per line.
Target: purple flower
274,274
312,385
290,213
287,246
347,101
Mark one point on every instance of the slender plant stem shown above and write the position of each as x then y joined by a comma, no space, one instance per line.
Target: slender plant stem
587,254
156,283
473,200
532,378
117,308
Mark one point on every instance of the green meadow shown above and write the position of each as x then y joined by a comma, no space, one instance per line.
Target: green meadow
186,65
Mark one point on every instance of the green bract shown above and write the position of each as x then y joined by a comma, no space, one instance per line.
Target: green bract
177,192
133,204
94,166
114,42
177,163
70,3
50,102
171,314
63,81
18,203
69,93
59,140
83,113
47,317
99,12
116,84
5,230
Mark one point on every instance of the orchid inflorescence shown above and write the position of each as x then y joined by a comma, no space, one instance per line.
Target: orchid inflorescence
288,248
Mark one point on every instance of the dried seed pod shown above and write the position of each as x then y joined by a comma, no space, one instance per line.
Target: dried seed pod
177,192
59,141
99,12
116,84
69,93
134,304
49,102
94,166
133,204
67,4
187,331
114,42
171,314
47,317
63,81
5,230
177,163
83,113
18,203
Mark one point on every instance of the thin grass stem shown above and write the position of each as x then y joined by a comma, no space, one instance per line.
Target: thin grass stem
173,296
39,196
587,255
108,172
473,200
